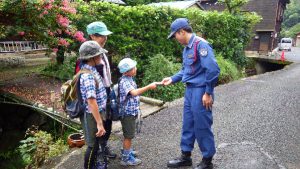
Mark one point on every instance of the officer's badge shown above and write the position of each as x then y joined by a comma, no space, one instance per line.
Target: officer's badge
203,52
190,56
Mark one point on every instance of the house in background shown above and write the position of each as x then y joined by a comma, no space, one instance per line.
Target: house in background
179,4
266,32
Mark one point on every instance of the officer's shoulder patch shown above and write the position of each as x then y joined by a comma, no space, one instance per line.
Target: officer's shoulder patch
203,52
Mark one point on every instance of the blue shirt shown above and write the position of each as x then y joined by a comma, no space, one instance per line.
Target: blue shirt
132,105
89,89
202,71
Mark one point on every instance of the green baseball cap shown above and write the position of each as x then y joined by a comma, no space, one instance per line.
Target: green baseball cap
99,28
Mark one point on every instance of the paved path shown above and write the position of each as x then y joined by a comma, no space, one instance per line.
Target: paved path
293,55
256,125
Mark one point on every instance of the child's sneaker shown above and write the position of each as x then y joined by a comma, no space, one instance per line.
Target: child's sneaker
132,151
128,159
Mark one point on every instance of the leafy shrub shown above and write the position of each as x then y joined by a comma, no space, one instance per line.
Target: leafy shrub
57,148
229,34
158,68
61,71
40,146
11,159
27,148
228,70
142,30
48,22
292,31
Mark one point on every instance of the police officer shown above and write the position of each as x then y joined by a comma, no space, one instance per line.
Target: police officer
200,73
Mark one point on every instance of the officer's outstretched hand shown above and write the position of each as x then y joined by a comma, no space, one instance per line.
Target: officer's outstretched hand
166,81
207,101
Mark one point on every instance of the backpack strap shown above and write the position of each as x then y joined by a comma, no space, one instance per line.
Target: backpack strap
77,77
195,54
79,96
195,49
86,71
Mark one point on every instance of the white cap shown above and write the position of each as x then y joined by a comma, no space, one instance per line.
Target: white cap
126,65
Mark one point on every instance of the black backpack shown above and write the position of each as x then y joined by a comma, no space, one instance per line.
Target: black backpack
116,109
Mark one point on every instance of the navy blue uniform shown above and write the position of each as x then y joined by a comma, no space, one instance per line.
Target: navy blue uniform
200,74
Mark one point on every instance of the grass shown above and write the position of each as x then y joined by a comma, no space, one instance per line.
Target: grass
13,73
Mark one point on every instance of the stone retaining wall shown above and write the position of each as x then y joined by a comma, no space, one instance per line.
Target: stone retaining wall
8,61
12,60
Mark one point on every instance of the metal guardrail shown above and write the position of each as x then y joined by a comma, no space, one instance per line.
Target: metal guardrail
20,46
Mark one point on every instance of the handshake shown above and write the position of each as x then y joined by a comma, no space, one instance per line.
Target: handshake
164,82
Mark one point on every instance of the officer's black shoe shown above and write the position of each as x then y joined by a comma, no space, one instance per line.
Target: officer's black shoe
109,153
205,164
184,160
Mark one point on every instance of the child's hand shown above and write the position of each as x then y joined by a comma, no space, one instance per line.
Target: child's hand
159,83
152,85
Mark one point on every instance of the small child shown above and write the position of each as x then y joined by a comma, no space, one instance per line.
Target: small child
129,100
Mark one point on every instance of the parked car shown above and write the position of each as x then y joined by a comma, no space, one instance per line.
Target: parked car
285,44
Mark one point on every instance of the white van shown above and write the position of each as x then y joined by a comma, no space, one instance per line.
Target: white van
285,44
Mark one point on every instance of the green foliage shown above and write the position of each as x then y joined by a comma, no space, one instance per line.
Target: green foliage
292,32
292,14
234,6
228,34
61,71
158,68
57,148
45,21
141,31
228,70
27,148
6,155
11,159
40,146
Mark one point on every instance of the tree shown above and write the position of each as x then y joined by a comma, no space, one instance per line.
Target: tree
292,14
234,6
292,32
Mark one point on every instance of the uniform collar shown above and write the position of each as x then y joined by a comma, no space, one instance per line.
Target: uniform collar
191,42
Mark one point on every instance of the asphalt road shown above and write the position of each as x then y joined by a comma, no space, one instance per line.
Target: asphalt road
256,126
263,110
293,55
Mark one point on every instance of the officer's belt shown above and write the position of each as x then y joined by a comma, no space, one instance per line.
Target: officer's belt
194,85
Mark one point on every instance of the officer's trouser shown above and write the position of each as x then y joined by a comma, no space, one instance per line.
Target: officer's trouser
197,122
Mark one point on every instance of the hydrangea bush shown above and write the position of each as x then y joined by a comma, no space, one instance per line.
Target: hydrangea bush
46,21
